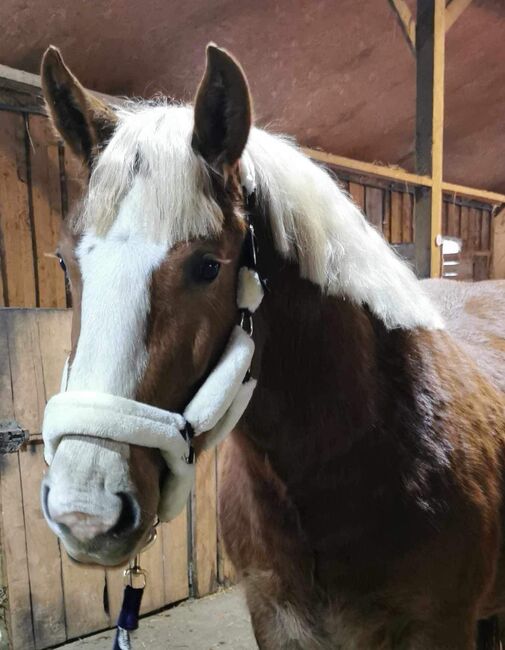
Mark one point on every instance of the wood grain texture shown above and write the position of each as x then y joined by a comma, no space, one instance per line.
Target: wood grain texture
174,540
374,206
43,554
396,218
29,396
226,571
453,220
357,191
407,218
47,210
13,521
15,225
205,525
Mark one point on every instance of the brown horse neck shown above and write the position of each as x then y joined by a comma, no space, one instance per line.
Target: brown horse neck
341,416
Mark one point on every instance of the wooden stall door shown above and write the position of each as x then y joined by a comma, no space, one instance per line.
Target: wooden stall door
50,598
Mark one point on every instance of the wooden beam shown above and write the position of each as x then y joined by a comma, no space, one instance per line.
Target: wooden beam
430,54
400,175
474,193
407,22
454,11
382,171
437,150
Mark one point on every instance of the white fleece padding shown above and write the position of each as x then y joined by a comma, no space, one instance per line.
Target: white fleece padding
216,409
230,419
220,388
247,175
101,415
250,291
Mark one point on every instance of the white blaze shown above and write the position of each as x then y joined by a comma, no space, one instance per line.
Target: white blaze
116,269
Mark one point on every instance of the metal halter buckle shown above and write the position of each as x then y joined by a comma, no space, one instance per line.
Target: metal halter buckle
188,433
246,321
134,575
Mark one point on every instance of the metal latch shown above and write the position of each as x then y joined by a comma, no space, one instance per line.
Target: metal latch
12,436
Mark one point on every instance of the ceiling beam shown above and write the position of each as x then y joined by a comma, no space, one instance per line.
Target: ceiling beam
397,174
453,11
406,21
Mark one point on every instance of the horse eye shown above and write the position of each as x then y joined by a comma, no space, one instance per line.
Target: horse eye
208,269
62,263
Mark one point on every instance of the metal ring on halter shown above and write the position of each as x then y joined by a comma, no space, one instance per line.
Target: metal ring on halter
134,575
246,321
151,540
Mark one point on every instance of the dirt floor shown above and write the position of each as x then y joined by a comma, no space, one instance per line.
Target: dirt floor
216,622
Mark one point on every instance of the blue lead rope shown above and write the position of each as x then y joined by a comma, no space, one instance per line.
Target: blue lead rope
128,619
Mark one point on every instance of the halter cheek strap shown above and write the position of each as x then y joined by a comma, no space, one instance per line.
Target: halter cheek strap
214,410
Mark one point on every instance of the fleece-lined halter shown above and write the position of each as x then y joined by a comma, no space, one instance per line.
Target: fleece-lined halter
215,409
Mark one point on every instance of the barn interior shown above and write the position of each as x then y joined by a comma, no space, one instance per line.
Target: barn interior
401,99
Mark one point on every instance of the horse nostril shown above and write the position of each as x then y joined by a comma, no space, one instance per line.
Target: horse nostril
129,516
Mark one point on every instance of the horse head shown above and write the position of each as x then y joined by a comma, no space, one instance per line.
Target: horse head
153,257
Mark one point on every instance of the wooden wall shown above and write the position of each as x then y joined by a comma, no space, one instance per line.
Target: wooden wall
390,208
50,598
40,181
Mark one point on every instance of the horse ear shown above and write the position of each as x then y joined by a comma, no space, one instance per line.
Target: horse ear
222,110
84,122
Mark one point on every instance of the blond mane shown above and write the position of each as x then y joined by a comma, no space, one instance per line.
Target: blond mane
312,220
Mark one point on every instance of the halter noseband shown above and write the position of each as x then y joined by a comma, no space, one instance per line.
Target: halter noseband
215,409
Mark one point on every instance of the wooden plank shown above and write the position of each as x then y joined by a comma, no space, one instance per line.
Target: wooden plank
464,227
407,218
174,538
226,571
13,521
54,328
16,561
474,217
480,267
386,219
498,245
430,56
406,21
152,563
454,11
44,562
82,585
474,193
437,150
26,370
374,206
83,589
485,233
396,217
46,205
357,191
15,226
43,553
205,525
453,220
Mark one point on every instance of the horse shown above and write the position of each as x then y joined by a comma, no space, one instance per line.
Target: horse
361,489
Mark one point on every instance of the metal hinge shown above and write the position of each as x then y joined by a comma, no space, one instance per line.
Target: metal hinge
12,436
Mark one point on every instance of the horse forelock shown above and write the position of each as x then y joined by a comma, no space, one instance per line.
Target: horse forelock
312,220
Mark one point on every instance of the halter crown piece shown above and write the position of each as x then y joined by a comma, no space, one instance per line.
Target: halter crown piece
215,409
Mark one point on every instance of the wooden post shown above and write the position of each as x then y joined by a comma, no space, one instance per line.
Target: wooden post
430,52
498,245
